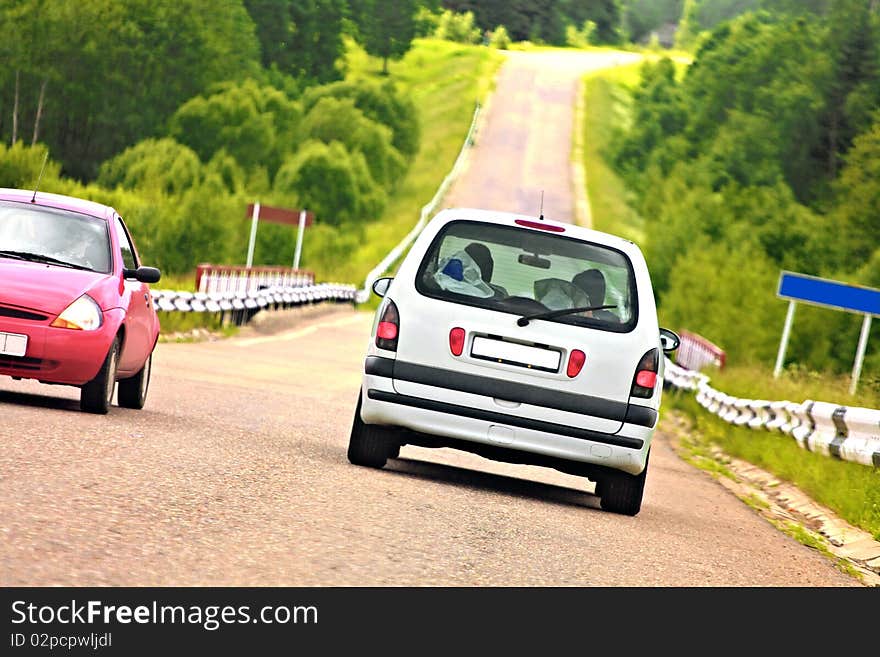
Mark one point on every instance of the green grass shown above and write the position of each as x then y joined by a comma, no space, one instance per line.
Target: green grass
445,80
851,490
606,109
793,384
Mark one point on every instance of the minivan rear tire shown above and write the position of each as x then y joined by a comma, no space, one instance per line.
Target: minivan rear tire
621,492
368,444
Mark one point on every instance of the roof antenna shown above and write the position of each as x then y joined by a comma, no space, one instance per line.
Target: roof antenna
541,216
40,177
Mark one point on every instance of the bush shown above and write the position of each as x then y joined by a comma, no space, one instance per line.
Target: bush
20,166
324,179
255,124
158,164
339,120
580,38
458,27
739,311
499,38
382,103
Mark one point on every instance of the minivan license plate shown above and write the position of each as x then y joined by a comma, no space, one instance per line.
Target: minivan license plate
516,354
13,344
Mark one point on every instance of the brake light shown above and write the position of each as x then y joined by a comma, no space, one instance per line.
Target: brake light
576,361
539,225
388,329
456,341
646,375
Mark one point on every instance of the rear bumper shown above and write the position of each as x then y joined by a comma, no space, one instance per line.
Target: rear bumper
625,450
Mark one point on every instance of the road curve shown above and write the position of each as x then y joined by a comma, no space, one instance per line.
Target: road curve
235,472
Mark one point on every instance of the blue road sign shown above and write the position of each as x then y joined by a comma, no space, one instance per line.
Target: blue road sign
825,292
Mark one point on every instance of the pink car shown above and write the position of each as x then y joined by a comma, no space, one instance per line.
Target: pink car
75,305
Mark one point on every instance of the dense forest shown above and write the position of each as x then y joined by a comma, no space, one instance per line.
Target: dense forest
763,155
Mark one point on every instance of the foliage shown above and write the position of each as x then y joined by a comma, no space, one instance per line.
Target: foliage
333,119
580,38
256,125
20,166
329,180
385,29
458,27
543,21
380,102
300,38
641,17
153,164
749,164
113,71
499,38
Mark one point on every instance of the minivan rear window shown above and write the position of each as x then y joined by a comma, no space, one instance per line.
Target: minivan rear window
525,272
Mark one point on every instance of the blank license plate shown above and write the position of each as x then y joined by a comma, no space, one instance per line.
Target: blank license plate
516,354
13,344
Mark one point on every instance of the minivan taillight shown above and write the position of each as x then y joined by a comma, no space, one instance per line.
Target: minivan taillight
576,360
646,374
388,329
456,341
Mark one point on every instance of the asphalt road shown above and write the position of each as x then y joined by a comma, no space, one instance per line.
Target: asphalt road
235,472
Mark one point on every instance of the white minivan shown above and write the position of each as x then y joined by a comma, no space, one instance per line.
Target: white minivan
522,340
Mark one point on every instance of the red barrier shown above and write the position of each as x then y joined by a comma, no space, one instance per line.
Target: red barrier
695,352
246,280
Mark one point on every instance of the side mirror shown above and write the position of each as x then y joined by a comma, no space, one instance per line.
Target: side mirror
669,340
143,274
381,285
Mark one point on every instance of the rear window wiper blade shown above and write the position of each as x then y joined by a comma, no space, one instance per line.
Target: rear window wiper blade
525,319
39,257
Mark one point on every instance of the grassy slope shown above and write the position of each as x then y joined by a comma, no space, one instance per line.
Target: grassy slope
851,490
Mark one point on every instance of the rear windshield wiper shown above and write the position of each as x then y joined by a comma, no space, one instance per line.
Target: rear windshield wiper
39,257
524,320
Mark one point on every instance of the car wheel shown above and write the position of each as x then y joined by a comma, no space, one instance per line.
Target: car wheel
394,451
132,392
97,394
368,444
621,492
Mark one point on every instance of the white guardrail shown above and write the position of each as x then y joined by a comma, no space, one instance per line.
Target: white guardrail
844,432
242,305
427,211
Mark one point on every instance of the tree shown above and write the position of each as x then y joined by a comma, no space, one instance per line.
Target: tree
338,120
382,103
544,20
325,179
858,198
854,83
641,17
385,28
255,124
116,71
161,164
302,38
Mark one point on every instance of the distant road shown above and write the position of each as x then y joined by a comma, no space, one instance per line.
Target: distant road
524,143
235,472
